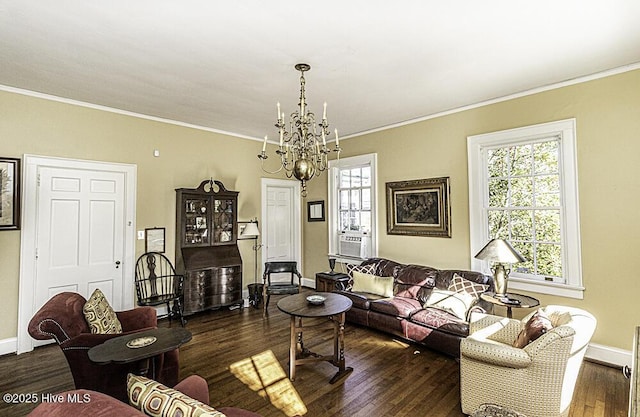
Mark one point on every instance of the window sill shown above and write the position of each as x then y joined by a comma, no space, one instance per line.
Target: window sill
346,259
560,290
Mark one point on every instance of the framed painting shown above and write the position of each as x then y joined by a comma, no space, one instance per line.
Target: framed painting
154,239
315,211
419,207
9,193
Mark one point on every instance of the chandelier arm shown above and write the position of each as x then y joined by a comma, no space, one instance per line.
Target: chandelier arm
304,138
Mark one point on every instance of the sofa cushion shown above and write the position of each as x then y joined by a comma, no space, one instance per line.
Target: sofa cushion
373,284
456,303
99,314
156,400
360,300
396,306
535,327
440,320
415,291
460,284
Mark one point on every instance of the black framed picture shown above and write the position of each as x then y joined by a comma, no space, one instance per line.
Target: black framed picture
419,207
315,211
9,193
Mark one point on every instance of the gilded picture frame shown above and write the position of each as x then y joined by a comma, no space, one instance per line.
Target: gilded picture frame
419,207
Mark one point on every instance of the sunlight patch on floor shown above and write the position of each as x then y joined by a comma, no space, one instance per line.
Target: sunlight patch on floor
263,374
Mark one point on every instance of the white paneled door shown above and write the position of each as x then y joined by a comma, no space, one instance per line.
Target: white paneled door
78,234
281,224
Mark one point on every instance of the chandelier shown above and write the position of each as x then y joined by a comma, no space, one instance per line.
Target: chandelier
303,144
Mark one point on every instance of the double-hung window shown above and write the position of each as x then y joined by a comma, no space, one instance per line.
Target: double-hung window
523,188
352,199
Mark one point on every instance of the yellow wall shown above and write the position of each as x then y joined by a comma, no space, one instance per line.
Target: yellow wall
187,156
608,127
606,110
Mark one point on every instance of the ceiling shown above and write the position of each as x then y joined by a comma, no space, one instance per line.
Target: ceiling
223,65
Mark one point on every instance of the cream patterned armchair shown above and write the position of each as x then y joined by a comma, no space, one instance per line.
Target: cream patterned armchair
537,380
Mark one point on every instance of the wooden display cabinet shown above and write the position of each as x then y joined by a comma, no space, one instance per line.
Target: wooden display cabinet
206,250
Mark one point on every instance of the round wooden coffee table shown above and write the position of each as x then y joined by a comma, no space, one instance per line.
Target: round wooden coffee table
333,308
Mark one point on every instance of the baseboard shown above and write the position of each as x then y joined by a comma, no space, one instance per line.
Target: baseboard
308,282
608,355
9,345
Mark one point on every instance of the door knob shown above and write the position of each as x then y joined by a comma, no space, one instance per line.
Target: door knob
117,264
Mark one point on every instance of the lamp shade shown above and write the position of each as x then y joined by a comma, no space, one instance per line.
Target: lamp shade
499,250
250,230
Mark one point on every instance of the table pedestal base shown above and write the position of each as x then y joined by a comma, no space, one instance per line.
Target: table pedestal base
299,355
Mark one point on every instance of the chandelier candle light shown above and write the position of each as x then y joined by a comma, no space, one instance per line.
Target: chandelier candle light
303,149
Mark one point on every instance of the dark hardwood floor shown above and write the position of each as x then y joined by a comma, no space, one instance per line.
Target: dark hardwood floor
245,360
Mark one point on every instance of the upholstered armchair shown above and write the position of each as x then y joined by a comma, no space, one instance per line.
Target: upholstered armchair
61,318
537,380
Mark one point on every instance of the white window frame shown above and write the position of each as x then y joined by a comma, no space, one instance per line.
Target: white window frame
333,213
569,218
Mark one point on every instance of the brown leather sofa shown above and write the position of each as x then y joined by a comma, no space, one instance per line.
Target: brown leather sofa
61,318
91,403
404,314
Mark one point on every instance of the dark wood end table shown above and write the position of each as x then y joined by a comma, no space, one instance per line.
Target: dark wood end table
116,350
524,301
333,308
328,281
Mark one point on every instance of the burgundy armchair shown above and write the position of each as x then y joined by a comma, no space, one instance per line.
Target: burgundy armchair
61,318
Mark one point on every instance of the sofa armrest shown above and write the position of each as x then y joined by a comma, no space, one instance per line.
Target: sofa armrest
138,318
195,387
89,340
495,328
86,403
494,353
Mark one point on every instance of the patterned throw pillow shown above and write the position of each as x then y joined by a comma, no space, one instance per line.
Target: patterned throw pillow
156,400
456,303
460,284
100,316
537,325
372,284
365,269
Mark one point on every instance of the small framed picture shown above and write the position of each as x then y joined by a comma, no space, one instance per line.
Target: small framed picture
154,239
9,193
315,211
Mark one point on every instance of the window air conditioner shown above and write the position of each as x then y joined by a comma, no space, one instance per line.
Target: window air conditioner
354,245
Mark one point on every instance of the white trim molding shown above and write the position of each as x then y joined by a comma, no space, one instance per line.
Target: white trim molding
8,346
608,355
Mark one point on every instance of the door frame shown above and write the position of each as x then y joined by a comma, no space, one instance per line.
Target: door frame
296,214
28,239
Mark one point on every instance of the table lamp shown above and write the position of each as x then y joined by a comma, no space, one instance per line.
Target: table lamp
501,253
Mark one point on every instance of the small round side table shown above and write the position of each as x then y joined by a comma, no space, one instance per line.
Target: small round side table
524,301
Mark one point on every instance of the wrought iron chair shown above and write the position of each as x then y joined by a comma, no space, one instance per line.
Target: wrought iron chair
158,283
279,287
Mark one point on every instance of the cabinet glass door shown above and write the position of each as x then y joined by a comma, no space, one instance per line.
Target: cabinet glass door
196,225
223,220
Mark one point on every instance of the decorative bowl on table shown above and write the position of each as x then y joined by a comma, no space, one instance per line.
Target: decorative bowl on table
141,342
316,299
